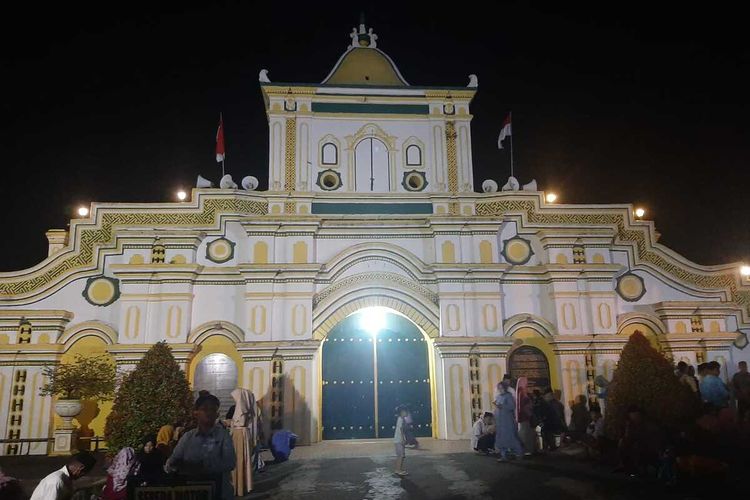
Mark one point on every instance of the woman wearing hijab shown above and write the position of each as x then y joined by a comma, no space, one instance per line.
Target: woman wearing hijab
165,440
243,438
525,415
151,463
124,465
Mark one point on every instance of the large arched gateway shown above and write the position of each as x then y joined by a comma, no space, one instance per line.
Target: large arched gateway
373,361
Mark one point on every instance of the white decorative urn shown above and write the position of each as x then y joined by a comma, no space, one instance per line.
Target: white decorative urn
67,409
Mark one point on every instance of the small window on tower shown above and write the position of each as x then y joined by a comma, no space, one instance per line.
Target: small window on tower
330,154
413,155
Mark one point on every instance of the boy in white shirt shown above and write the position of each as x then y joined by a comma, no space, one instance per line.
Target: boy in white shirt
59,484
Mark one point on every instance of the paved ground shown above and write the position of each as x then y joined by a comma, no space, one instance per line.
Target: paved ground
442,470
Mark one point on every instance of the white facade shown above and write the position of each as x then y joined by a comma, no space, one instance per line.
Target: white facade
262,277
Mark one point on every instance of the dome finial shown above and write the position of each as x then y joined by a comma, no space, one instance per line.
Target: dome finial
363,37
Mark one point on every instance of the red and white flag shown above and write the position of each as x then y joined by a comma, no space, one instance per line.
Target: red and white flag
220,153
504,132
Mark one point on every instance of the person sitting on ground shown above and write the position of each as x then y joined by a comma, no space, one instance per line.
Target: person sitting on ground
10,488
594,432
483,435
151,462
207,451
59,484
640,446
399,440
579,419
123,466
712,387
165,440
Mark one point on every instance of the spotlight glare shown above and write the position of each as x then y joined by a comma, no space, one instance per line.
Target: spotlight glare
640,212
550,197
83,211
181,195
372,319
745,270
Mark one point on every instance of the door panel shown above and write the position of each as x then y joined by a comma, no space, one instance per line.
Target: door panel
403,377
348,401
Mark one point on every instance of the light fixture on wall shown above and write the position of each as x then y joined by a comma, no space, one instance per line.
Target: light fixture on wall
83,211
181,195
745,270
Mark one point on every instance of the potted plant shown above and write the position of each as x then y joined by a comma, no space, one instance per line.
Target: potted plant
92,377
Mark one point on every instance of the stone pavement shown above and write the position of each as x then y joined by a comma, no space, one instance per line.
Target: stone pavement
343,470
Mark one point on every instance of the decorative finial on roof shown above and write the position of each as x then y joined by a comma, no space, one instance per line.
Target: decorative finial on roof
263,76
473,82
362,37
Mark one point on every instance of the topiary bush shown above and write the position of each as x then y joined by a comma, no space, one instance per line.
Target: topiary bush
156,393
646,379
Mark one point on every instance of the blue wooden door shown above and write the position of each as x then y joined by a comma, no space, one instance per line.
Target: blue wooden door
403,377
360,396
348,381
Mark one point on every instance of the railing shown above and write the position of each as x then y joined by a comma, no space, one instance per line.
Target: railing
16,446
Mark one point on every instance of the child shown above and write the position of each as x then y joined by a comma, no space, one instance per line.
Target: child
399,440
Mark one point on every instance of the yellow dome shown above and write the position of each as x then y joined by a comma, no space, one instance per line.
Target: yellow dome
365,66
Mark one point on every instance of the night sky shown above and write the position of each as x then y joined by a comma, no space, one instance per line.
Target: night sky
120,103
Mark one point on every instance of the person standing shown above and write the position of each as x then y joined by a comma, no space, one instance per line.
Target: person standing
207,450
59,484
399,440
712,388
579,418
243,438
741,387
506,427
525,416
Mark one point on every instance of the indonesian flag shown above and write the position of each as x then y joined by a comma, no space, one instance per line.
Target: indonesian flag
504,132
220,141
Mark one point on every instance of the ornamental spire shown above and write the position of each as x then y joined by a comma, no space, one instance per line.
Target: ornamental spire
362,37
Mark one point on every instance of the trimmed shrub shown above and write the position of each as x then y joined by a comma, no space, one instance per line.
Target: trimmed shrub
646,379
156,393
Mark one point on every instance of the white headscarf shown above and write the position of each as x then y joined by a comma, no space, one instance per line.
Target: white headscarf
244,407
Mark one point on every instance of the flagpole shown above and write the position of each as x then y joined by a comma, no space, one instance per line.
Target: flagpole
510,114
221,121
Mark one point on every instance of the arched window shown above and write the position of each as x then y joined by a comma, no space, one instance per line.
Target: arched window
372,172
413,155
330,154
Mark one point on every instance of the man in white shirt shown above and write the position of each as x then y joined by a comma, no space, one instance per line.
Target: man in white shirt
483,435
59,484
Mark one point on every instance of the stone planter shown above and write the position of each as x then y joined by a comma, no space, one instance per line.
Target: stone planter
67,409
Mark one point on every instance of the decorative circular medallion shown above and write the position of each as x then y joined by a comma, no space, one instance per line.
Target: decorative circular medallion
101,291
329,180
630,287
414,181
220,250
517,250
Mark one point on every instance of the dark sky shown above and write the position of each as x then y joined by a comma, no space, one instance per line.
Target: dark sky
612,102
